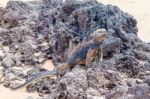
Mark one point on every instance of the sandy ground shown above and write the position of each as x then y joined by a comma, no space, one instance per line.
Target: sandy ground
6,93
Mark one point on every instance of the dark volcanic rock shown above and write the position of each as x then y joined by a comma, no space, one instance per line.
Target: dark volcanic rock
79,19
128,65
123,92
142,55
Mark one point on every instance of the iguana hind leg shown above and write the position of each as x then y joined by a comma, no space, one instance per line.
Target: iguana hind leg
61,68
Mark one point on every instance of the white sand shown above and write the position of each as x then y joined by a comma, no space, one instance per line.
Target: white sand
6,93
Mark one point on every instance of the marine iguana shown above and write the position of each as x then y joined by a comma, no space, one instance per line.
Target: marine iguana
84,53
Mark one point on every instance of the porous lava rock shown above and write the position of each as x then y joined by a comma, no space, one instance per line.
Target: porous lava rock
33,32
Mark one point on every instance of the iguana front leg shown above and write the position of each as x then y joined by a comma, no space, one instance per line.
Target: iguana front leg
101,51
90,56
99,54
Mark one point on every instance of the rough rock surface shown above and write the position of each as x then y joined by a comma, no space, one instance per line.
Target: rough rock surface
33,32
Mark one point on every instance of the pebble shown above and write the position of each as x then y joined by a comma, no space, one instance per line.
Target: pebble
139,81
131,82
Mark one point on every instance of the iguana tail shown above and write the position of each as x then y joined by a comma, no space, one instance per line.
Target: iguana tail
37,77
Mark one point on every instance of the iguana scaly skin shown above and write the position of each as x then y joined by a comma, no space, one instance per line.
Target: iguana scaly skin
84,53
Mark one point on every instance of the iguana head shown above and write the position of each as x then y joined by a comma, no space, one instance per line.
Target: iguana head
99,35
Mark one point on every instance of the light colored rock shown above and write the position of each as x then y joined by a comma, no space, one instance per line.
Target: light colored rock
6,49
18,71
131,82
1,74
2,54
139,81
92,92
37,54
1,70
8,62
3,30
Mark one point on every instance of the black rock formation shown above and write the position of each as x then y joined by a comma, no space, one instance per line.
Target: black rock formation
32,32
